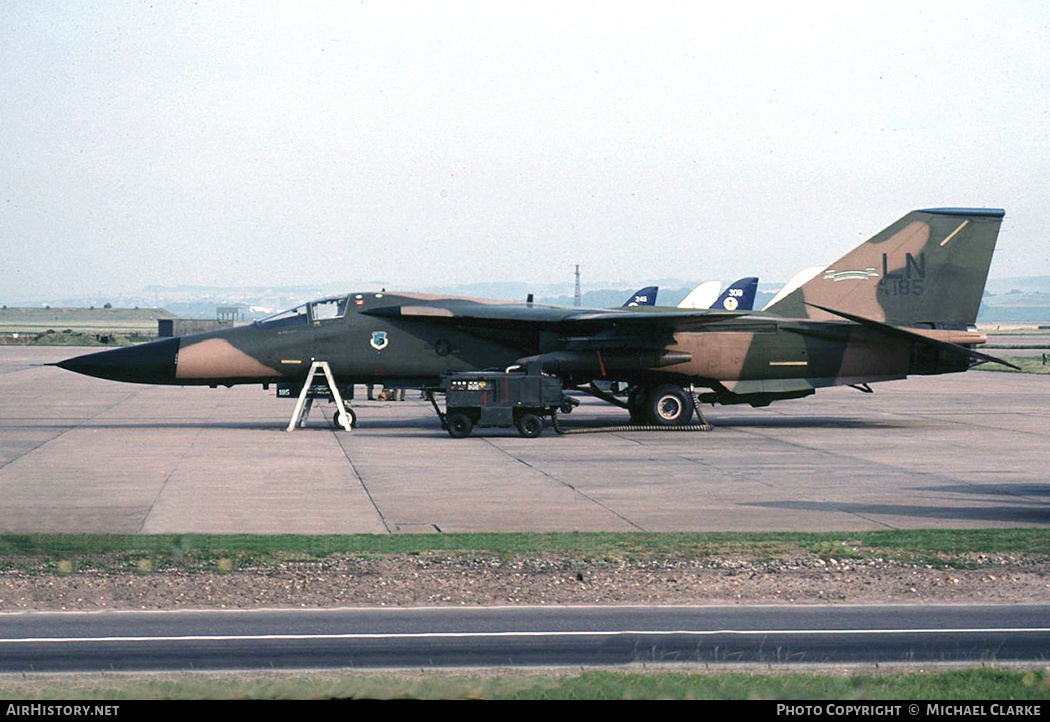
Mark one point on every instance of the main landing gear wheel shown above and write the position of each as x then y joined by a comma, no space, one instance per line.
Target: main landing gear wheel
669,405
636,405
530,426
347,423
459,425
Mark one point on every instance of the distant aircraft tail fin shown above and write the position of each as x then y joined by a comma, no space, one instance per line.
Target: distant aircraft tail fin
796,281
643,297
740,296
703,296
928,269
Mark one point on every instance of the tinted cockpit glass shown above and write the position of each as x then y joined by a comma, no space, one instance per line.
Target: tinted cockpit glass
292,317
327,309
324,310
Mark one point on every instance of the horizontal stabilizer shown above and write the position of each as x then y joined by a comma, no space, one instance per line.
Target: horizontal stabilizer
918,337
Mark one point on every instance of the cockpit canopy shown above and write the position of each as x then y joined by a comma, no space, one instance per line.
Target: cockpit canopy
326,309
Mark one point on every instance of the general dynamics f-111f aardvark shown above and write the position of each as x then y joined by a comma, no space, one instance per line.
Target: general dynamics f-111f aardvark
904,302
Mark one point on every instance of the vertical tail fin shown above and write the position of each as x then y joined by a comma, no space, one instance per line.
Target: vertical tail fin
796,281
928,268
702,296
740,296
643,297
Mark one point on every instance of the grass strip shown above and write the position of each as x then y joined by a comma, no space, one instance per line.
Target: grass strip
62,553
987,683
1028,365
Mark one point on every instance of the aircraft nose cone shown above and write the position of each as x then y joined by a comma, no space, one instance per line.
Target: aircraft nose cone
148,363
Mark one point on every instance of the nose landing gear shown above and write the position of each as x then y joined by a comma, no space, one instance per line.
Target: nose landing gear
347,420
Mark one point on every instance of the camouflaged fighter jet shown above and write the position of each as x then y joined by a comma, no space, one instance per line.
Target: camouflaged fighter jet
902,303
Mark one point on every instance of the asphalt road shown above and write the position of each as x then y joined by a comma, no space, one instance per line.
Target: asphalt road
85,455
520,636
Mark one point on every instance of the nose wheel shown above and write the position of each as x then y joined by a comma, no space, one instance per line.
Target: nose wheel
345,419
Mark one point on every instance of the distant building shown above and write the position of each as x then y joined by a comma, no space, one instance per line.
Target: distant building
229,313
169,327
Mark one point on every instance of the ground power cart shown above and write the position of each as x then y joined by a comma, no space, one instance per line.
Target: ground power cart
501,400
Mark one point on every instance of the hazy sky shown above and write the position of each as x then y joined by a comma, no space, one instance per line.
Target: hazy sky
413,144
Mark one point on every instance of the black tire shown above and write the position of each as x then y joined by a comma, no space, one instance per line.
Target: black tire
530,425
636,405
459,425
669,405
350,415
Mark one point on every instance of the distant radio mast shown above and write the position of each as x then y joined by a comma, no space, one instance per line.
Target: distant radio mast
576,296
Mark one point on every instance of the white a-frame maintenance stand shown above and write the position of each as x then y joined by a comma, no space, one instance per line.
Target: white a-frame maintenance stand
344,417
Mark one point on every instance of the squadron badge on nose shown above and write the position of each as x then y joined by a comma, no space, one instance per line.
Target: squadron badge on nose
379,340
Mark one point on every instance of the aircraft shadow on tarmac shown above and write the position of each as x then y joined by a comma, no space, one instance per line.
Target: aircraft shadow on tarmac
187,424
322,422
1035,514
314,424
1018,489
812,422
614,423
